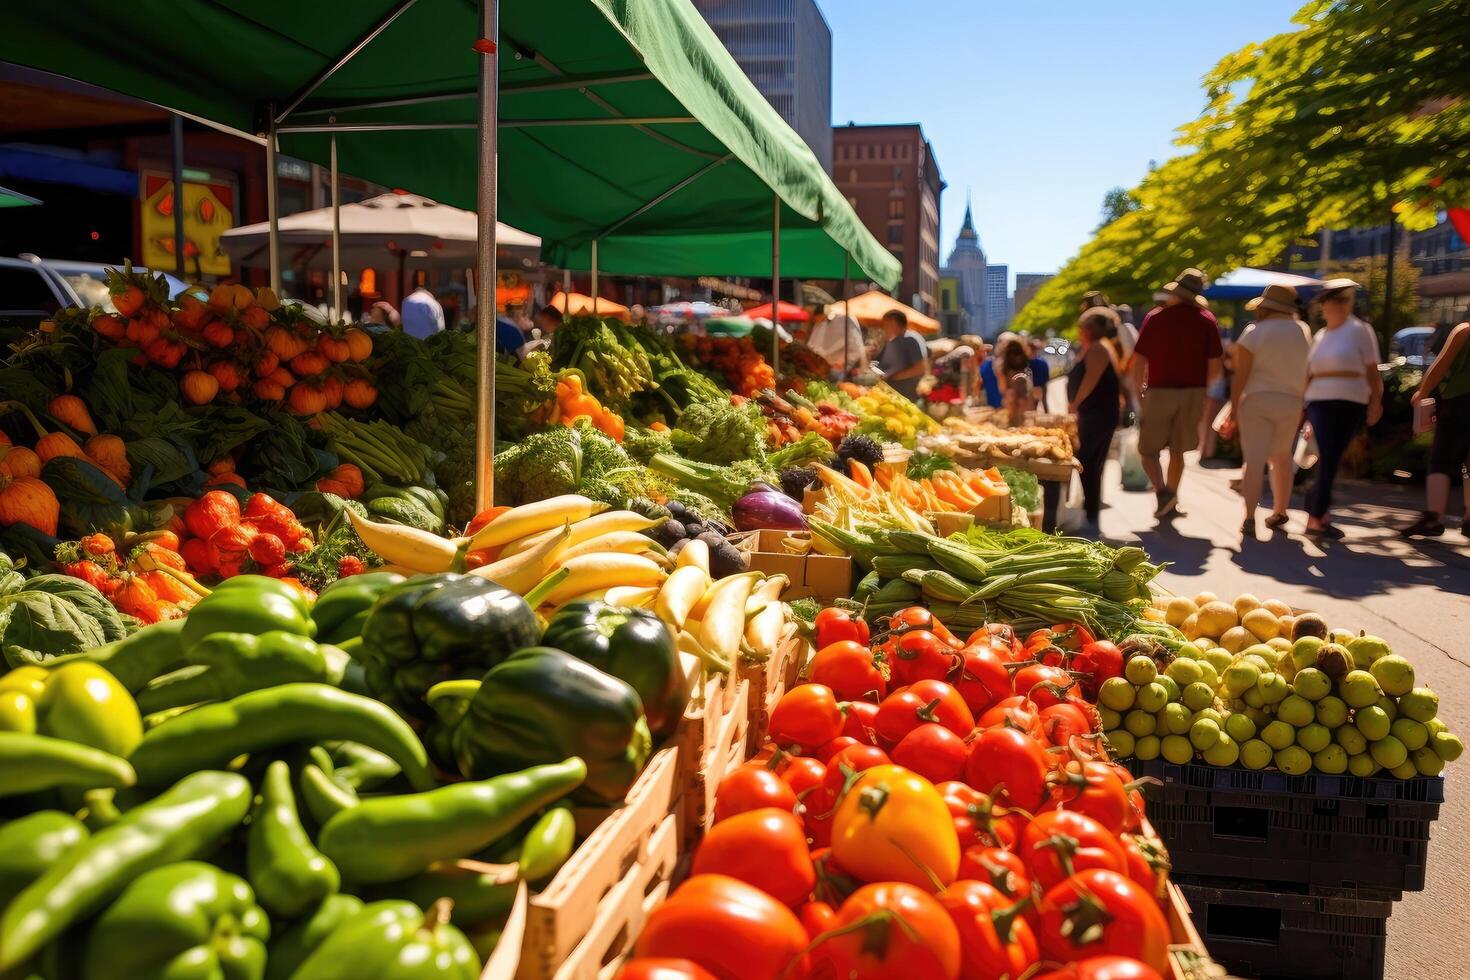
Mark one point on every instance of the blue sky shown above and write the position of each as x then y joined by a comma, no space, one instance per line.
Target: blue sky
1039,107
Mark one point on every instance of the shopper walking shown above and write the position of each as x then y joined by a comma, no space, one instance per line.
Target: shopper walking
1448,380
1266,399
1009,359
1344,390
1093,396
1177,355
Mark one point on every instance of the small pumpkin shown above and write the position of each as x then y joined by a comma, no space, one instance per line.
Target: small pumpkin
334,349
191,313
229,374
26,500
308,363
226,479
72,411
359,343
283,343
141,332
199,387
308,399
269,391
255,318
241,296
333,387
19,461
267,363
222,297
345,479
360,393
218,333
55,444
222,465
110,454
109,326
283,377
265,298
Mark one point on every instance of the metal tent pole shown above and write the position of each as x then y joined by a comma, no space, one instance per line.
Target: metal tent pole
273,204
776,286
176,133
336,238
485,261
847,321
594,277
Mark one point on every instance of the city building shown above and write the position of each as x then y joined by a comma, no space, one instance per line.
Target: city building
1027,283
997,297
889,175
953,319
966,266
785,48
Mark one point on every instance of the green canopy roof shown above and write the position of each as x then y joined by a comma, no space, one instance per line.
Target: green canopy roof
616,116
15,199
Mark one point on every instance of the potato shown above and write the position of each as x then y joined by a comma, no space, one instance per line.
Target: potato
1178,610
1245,603
1205,598
1236,639
1278,607
1261,623
1216,617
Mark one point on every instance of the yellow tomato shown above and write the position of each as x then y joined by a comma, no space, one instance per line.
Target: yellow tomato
892,825
29,679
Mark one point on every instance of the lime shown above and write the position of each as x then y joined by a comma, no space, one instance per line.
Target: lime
1151,697
1405,770
1332,760
1225,752
1278,735
1138,723
1161,724
1358,688
1350,739
1273,687
1312,684
1293,760
1258,717
1388,752
1147,748
1367,650
1185,672
1116,693
1420,704
1198,696
1426,761
1332,712
1219,658
1447,745
1177,718
1176,749
1255,754
1362,765
1254,698
1389,705
1240,728
1169,684
1373,722
1203,734
1412,733
1240,677
1140,670
1314,737
1296,711
1109,719
1121,742
1394,674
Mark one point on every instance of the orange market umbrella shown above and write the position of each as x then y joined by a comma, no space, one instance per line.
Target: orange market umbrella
790,313
868,309
581,304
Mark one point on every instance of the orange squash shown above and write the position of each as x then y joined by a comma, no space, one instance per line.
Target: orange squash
199,387
269,391
308,399
283,343
334,349
360,393
110,453
229,374
308,363
255,317
72,411
283,377
333,387
345,480
55,444
268,362
26,500
359,343
19,461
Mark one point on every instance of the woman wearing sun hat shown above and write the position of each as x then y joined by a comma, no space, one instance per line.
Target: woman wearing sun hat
1344,390
1266,399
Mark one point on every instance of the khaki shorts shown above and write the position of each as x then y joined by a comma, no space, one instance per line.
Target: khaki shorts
1170,420
1269,421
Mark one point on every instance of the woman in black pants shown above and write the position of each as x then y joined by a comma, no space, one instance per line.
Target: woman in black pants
1092,395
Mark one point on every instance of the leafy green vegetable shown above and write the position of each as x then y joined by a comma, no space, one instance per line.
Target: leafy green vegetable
50,615
1025,488
721,433
90,500
283,455
223,428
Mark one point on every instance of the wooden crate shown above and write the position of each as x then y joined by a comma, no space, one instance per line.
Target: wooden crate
1188,958
507,953
712,742
593,886
769,680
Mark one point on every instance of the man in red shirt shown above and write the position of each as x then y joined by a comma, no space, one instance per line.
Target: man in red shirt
1176,357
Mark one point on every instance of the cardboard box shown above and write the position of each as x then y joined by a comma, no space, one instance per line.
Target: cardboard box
825,577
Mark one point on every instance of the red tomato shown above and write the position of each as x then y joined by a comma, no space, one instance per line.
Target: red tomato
807,715
932,751
1096,912
1059,842
1012,761
998,867
1148,862
920,655
1070,725
752,787
731,929
817,918
860,721
827,750
1136,799
848,668
944,705
835,625
1070,636
995,942
819,805
765,848
1094,789
802,774
1028,679
982,679
1016,711
910,936
1002,635
1103,968
920,618
663,968
977,818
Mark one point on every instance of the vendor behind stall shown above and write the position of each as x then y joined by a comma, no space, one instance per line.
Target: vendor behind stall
904,359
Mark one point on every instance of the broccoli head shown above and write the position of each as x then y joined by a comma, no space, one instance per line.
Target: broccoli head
544,464
642,444
721,433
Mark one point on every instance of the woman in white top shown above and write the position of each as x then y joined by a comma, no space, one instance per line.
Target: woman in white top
1266,399
1344,390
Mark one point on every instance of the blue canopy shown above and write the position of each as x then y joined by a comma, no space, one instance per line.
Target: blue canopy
1247,283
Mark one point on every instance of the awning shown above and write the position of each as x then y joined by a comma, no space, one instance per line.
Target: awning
580,304
15,199
790,312
616,116
868,309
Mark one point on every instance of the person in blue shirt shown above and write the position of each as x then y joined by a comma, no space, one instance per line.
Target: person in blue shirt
1010,358
508,338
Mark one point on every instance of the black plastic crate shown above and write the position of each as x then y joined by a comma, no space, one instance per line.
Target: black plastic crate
1239,824
1308,932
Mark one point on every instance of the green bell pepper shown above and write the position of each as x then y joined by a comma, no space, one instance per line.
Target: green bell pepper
287,871
341,609
185,921
188,821
31,844
134,660
388,838
435,628
249,604
30,763
394,941
291,948
542,705
82,702
633,644
237,663
479,898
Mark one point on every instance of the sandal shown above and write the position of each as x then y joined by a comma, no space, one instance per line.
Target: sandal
1248,529
1326,531
1427,526
1275,521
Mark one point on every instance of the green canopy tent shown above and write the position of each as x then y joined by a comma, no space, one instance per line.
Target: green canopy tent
589,116
15,199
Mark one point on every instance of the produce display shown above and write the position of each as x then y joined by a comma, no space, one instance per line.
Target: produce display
996,442
1260,686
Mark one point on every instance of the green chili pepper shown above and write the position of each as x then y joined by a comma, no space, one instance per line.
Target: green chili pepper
548,843
31,844
214,734
187,821
101,810
134,660
291,948
342,608
249,604
478,898
226,665
360,767
185,921
395,941
287,871
322,795
389,838
35,762
84,703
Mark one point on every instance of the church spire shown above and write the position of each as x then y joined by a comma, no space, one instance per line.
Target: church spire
967,230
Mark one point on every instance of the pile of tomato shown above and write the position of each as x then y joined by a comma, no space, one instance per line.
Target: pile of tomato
926,808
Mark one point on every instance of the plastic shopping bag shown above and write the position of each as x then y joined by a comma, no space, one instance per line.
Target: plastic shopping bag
1134,479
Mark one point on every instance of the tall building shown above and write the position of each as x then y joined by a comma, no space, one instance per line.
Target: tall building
997,297
1027,283
967,266
953,320
785,47
889,175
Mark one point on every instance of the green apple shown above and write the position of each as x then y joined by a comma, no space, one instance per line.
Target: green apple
1367,649
1332,760
1394,674
1255,754
1420,704
1176,749
1293,760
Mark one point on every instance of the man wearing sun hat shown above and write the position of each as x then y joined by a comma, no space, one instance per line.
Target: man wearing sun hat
1177,356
